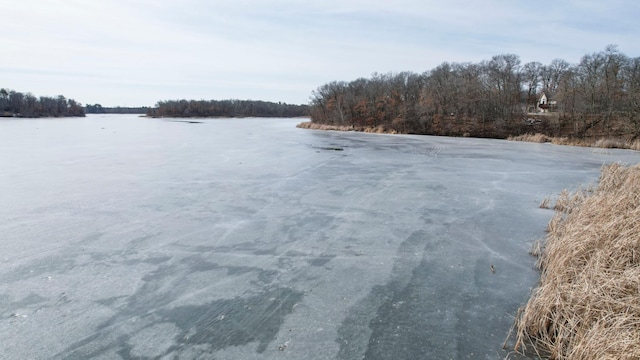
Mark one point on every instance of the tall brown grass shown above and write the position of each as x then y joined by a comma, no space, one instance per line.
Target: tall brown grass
315,126
609,143
587,305
537,138
380,129
635,145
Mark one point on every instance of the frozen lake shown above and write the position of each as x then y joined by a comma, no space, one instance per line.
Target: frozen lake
126,237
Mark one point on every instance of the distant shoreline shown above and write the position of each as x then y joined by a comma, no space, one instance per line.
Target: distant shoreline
223,117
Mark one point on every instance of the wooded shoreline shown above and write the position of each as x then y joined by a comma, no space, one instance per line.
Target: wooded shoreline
16,104
597,98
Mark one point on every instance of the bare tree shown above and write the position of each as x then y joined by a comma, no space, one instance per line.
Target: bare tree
531,78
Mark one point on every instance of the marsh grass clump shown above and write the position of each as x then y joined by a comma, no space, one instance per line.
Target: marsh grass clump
380,129
587,305
546,203
611,144
316,126
606,143
634,145
567,201
536,138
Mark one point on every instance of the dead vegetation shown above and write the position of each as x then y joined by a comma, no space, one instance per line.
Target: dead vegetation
536,138
606,143
375,129
587,305
546,203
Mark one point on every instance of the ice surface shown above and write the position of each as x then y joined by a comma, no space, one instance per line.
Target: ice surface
127,237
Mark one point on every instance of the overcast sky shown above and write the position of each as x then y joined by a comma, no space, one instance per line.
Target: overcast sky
136,52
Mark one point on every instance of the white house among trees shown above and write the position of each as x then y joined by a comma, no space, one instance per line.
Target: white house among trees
545,103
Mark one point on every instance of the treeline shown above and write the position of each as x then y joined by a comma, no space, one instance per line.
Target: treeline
17,104
99,109
226,108
599,96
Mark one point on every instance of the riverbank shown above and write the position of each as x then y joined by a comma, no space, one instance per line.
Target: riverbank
367,129
587,305
610,143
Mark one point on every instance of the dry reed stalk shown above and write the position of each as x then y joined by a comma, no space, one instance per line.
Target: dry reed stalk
546,203
567,201
587,305
553,225
536,248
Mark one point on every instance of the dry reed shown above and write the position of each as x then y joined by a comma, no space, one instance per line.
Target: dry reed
608,143
634,145
380,129
316,126
587,305
611,144
536,138
571,141
546,203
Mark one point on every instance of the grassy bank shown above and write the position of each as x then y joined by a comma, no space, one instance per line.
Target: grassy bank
587,305
377,129
610,143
